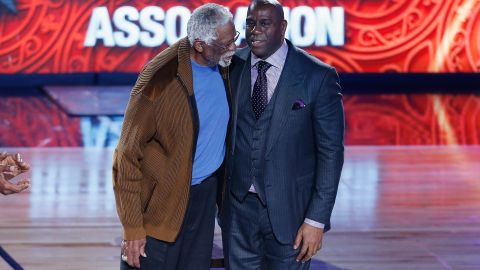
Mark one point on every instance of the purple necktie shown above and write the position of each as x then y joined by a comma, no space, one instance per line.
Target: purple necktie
260,92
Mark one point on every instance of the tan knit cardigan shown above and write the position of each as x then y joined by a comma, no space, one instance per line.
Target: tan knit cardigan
152,164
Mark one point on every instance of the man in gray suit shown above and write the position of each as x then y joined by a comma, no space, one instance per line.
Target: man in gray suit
286,149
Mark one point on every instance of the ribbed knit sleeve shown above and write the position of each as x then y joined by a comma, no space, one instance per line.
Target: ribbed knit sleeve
138,128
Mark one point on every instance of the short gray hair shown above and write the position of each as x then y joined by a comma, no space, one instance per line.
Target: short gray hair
204,21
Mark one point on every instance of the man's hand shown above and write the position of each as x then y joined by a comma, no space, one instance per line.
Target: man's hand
16,163
7,188
132,249
310,238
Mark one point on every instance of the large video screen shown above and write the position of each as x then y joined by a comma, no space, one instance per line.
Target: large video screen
39,36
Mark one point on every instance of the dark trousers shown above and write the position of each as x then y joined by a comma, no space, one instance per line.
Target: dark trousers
249,242
193,247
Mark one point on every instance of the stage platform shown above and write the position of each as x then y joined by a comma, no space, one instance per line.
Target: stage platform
90,100
415,207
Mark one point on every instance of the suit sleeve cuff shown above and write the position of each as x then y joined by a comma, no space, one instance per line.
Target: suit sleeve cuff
314,223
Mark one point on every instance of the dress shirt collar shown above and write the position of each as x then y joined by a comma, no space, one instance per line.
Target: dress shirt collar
277,59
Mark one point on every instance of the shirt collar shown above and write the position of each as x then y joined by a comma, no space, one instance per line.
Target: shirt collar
277,59
197,65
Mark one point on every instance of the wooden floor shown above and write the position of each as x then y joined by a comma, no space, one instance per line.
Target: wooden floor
397,208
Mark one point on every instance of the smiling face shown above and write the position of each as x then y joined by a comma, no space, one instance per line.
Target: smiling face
265,29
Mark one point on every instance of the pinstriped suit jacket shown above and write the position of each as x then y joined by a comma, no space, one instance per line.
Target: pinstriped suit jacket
304,148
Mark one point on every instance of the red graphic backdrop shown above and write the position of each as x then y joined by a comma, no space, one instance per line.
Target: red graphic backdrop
36,122
400,119
46,36
406,119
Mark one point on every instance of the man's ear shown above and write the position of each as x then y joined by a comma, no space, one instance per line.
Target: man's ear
198,45
283,25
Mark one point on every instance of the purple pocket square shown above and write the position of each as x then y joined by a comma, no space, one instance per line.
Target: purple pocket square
298,104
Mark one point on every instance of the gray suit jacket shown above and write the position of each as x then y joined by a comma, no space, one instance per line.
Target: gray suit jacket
304,148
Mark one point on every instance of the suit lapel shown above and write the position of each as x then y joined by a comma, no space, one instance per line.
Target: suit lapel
289,83
242,79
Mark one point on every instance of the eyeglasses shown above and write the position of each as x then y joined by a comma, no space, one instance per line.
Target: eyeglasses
225,47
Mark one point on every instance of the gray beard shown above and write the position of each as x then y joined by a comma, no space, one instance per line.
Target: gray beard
223,62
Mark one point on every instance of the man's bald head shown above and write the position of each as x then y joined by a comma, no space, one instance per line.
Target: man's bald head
277,7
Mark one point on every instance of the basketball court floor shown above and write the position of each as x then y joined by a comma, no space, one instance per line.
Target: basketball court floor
398,207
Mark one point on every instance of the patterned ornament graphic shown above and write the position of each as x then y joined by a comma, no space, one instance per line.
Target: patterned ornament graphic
412,119
47,36
396,119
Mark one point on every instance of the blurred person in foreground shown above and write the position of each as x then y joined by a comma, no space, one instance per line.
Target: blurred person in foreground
12,165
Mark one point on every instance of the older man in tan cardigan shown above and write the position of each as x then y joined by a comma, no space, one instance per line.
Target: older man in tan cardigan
173,145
